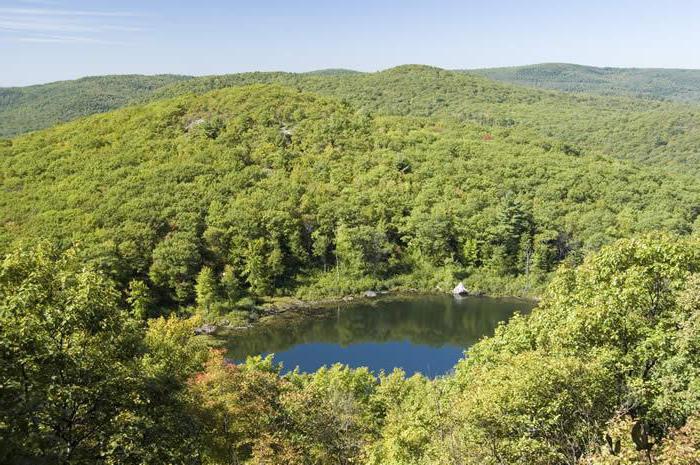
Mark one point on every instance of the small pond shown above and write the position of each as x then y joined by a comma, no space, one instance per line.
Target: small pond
425,334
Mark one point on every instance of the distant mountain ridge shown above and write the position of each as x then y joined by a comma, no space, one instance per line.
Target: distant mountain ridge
30,108
650,131
681,85
644,130
24,109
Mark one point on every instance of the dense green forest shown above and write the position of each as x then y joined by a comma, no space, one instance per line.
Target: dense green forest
650,131
605,371
24,109
654,132
266,190
121,232
682,85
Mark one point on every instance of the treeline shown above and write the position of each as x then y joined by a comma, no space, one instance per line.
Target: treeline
681,85
605,371
264,190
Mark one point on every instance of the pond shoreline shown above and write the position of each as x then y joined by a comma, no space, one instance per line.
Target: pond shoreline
418,332
273,308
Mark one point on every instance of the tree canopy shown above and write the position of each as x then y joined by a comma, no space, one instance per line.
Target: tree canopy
266,190
617,125
605,370
120,233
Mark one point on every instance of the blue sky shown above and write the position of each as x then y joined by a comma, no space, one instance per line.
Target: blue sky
48,40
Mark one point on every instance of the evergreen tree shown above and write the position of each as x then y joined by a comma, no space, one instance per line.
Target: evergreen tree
206,289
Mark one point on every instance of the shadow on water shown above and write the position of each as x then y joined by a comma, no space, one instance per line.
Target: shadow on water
425,334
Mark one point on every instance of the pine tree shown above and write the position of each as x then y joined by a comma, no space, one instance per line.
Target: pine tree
206,288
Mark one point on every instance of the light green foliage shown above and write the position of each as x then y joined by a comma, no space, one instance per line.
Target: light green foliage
626,313
175,260
298,194
410,410
230,284
256,416
333,414
420,178
79,378
159,423
626,300
656,132
139,298
611,352
67,348
263,263
206,289
362,250
530,408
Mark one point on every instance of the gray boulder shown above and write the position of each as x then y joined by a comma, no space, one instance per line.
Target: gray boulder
205,329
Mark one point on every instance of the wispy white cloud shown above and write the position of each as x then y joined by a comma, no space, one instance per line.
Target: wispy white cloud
12,24
49,24
111,27
67,40
60,12
39,2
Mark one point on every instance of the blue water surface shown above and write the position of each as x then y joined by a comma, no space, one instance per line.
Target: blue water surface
422,334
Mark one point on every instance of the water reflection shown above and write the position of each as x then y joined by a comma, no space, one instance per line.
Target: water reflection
424,334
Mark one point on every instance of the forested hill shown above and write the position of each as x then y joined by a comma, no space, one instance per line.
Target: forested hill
642,130
204,205
263,190
653,132
24,109
682,85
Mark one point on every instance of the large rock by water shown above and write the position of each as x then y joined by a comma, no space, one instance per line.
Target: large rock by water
460,290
